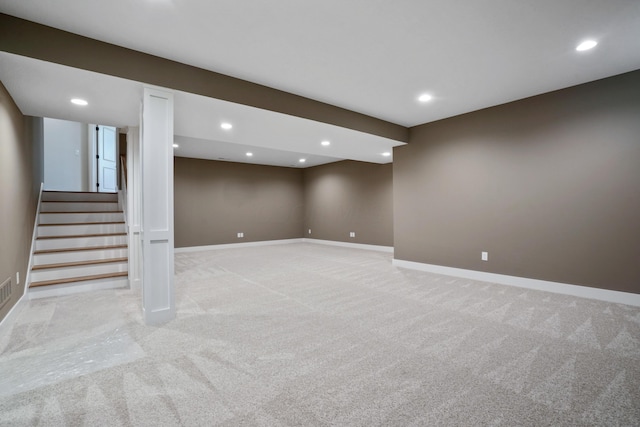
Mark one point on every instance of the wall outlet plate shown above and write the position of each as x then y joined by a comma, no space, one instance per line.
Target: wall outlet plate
485,256
352,234
309,231
240,235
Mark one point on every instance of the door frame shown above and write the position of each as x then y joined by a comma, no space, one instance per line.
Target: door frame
91,156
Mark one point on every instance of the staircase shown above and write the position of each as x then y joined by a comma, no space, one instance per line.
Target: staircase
81,244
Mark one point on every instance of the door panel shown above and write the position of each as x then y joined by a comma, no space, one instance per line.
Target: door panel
107,165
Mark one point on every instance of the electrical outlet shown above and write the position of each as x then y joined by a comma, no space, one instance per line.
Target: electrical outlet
352,234
485,256
309,231
240,235
17,277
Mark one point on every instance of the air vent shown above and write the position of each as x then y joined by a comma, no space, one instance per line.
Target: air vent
5,292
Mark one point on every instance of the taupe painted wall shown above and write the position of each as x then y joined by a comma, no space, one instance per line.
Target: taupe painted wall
350,196
19,187
549,186
216,200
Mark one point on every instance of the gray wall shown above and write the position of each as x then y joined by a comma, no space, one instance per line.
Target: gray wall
549,186
216,200
349,196
19,187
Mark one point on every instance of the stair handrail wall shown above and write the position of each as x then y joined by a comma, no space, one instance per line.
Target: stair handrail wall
36,224
122,201
122,191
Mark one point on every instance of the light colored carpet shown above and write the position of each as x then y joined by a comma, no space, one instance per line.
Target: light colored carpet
313,335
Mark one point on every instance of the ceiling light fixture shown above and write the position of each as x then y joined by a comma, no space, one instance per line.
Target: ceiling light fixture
326,143
175,146
226,126
586,45
249,154
386,154
79,101
303,160
425,97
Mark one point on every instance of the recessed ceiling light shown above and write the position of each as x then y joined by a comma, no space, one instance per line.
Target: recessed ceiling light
386,154
249,154
586,45
226,126
302,160
79,101
326,143
425,97
175,146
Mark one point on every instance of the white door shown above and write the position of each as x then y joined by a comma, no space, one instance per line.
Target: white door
107,160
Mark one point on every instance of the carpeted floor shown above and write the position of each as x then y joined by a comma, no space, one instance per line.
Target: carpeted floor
313,335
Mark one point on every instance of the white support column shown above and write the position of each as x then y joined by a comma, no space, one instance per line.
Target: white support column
134,190
158,301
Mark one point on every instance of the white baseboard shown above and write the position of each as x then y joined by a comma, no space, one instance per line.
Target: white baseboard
523,282
158,317
236,245
378,248
15,310
388,249
75,288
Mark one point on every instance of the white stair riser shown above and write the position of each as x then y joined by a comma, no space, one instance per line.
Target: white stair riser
77,207
76,229
84,270
81,197
58,257
73,288
79,242
65,218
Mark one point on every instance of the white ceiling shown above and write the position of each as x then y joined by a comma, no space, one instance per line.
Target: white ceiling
44,89
374,57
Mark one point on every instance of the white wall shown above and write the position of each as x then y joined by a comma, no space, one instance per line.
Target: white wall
65,155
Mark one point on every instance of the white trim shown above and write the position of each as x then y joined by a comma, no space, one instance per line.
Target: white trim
36,223
378,248
237,245
523,282
388,249
17,308
75,288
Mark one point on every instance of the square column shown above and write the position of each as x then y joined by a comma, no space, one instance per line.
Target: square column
158,299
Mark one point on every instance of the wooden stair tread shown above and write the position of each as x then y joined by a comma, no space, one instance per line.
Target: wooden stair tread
81,212
79,263
79,201
81,223
77,192
79,279
73,236
88,248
